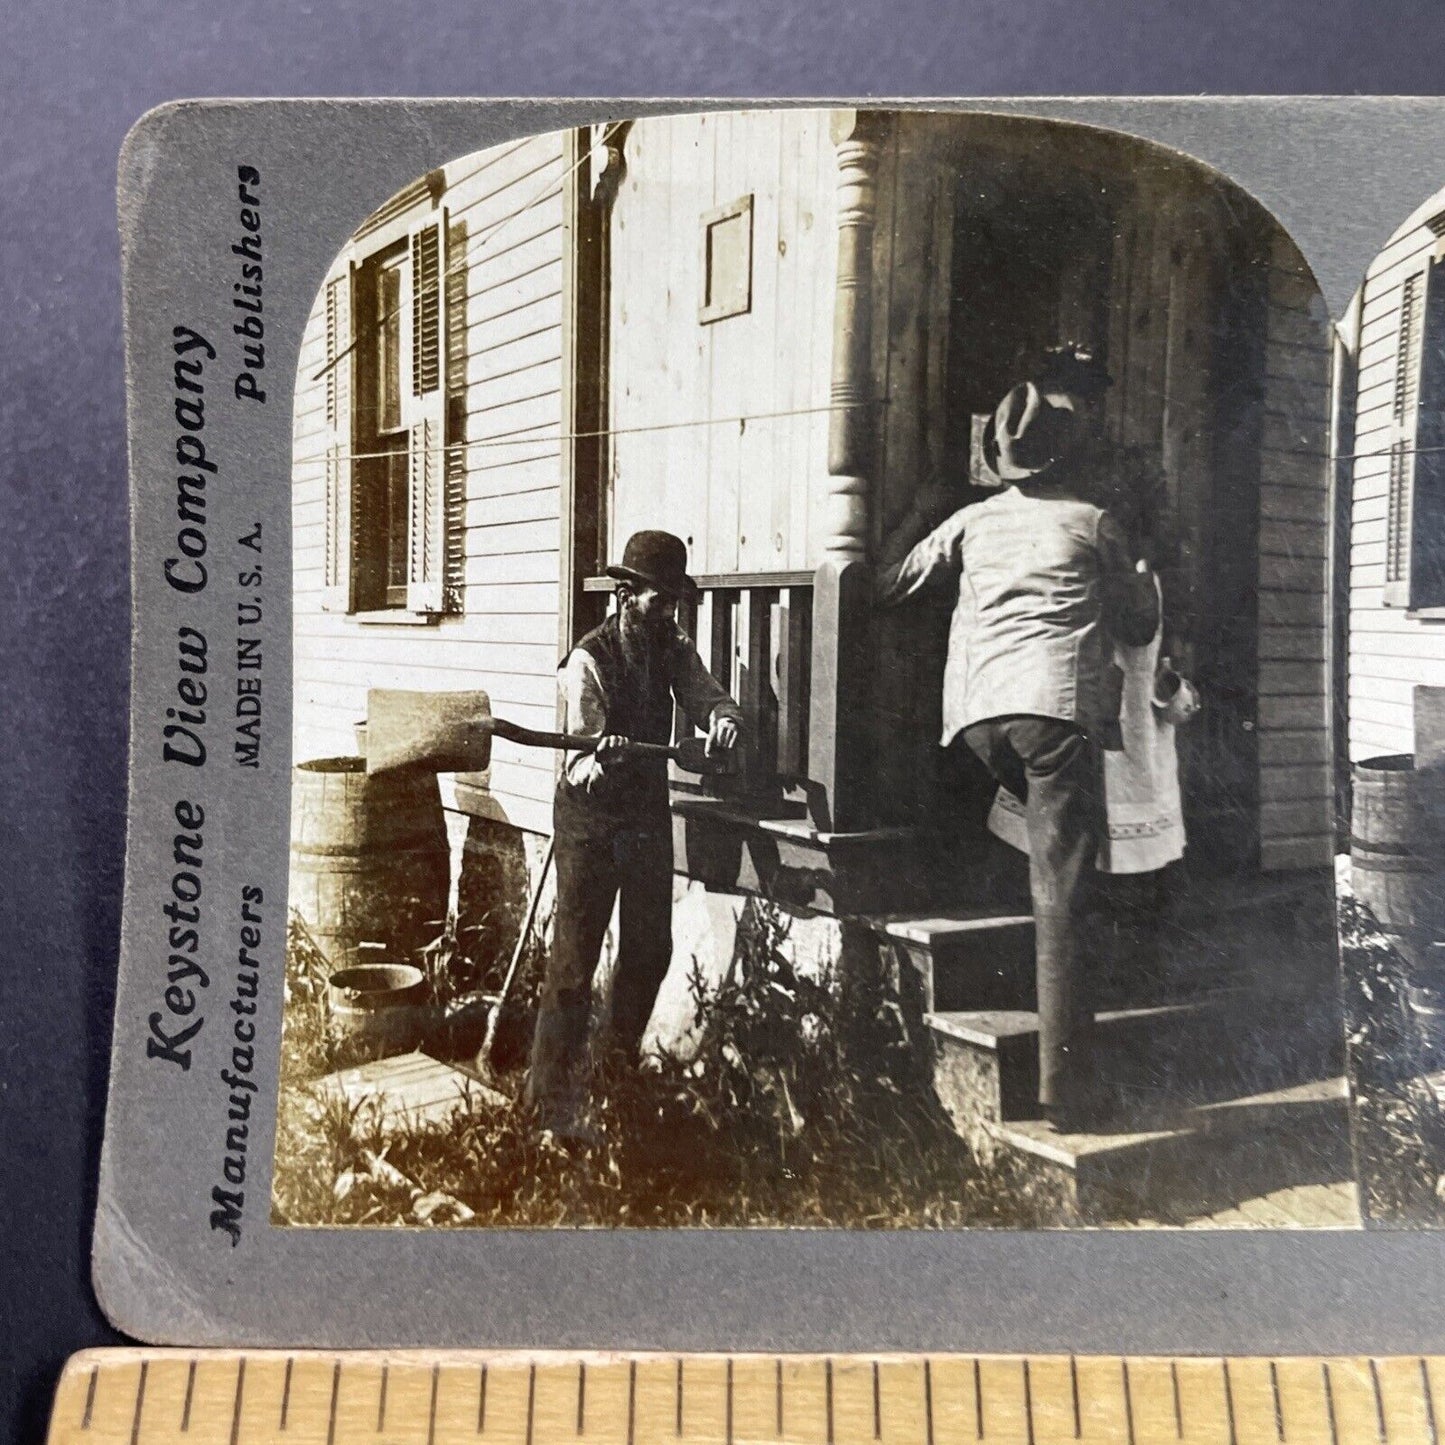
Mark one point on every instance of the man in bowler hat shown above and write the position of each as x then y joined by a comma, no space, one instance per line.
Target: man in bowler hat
611,821
1045,583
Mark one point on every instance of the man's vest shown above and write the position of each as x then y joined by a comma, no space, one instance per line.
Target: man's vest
1027,632
638,702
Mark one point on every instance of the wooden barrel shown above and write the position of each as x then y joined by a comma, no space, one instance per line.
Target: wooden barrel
1397,849
369,858
492,892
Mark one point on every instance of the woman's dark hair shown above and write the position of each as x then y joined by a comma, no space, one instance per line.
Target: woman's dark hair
1075,368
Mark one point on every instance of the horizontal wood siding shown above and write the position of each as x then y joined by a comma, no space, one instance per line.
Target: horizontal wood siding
742,494
1295,786
504,211
1389,651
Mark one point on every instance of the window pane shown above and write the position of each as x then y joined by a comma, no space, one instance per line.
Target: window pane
727,254
396,523
388,336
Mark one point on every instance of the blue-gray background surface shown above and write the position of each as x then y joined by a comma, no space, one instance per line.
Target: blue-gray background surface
72,80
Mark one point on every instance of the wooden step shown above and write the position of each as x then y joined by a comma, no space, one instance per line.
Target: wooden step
966,958
986,1067
1179,1167
408,1091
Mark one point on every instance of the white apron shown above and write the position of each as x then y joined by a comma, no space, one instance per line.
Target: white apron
1141,781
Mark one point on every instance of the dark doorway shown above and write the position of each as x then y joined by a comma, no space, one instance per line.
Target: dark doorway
1160,275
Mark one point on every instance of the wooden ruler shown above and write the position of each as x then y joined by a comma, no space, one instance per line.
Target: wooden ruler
221,1397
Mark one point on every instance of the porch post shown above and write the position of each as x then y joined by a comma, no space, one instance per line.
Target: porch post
584,400
837,732
857,136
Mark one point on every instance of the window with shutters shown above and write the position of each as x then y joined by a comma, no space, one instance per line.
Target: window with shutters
386,410
1415,506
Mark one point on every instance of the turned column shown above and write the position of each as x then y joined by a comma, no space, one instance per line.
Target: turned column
837,734
853,424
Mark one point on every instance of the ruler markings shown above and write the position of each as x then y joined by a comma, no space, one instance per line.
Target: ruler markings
218,1403
1429,1403
140,1396
236,1403
95,1376
1380,1425
1229,1402
1330,1402
728,1427
1404,1407
191,1394
335,1391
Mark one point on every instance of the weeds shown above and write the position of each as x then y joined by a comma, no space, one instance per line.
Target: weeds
1398,1123
803,1105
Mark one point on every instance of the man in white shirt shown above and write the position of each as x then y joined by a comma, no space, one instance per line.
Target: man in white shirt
1045,585
611,817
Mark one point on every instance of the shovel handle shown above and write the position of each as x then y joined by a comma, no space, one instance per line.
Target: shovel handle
530,737
691,755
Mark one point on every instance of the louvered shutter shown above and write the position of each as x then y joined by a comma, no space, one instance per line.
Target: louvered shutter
425,410
1397,524
1415,512
339,594
1427,502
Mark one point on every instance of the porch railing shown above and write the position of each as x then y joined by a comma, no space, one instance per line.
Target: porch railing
754,632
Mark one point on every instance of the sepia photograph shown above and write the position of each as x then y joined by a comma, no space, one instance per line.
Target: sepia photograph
846,664
1391,601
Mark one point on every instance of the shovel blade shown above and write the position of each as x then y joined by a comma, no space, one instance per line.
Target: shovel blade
438,732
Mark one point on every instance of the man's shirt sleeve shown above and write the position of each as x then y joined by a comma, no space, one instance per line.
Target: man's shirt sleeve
702,696
584,710
1130,599
937,557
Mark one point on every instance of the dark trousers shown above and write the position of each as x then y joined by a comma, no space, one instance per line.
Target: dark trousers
594,867
1055,769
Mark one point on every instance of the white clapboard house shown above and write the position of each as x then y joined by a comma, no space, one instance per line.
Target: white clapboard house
763,331
1392,485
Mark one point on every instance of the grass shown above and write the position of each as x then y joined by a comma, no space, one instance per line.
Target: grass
804,1105
1398,1123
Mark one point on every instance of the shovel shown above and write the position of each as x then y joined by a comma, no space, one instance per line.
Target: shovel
452,732
483,1062
690,754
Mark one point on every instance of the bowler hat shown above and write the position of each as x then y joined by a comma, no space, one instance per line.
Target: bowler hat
656,559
